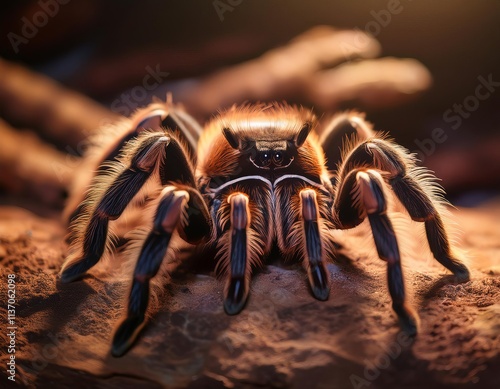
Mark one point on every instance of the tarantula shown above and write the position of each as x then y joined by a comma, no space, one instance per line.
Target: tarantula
255,178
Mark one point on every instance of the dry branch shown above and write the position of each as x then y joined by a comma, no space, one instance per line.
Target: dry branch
31,100
29,166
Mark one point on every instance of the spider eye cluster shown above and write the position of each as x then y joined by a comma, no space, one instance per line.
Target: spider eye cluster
278,158
268,157
265,158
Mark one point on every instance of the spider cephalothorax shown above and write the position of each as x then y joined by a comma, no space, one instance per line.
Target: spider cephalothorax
256,177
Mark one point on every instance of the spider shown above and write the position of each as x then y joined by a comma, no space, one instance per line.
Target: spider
256,178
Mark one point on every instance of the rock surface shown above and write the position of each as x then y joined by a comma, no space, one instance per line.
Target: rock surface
283,339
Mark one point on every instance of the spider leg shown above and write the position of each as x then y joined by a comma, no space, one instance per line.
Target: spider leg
421,208
148,154
168,215
343,128
112,204
318,276
302,227
190,130
154,117
367,197
415,190
110,153
242,236
236,291
150,118
180,208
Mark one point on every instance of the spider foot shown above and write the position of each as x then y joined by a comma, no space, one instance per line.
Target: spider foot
408,320
126,334
319,282
93,247
236,296
461,273
73,272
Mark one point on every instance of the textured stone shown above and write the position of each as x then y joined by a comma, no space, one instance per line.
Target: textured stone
284,338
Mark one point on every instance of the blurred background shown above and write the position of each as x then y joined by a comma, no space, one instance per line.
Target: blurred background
109,57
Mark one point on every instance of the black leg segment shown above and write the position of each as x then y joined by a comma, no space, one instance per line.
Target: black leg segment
421,208
113,203
440,247
188,127
94,243
399,171
371,197
150,121
345,215
199,224
153,251
236,292
318,276
341,129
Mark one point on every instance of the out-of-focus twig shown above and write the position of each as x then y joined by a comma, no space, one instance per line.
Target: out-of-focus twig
31,100
322,67
281,72
381,82
29,166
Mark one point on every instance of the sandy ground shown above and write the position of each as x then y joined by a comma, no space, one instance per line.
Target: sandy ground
283,339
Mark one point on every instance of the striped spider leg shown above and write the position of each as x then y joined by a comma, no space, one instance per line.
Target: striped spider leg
147,150
257,177
368,167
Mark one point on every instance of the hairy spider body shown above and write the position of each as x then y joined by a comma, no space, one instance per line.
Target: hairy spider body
256,177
